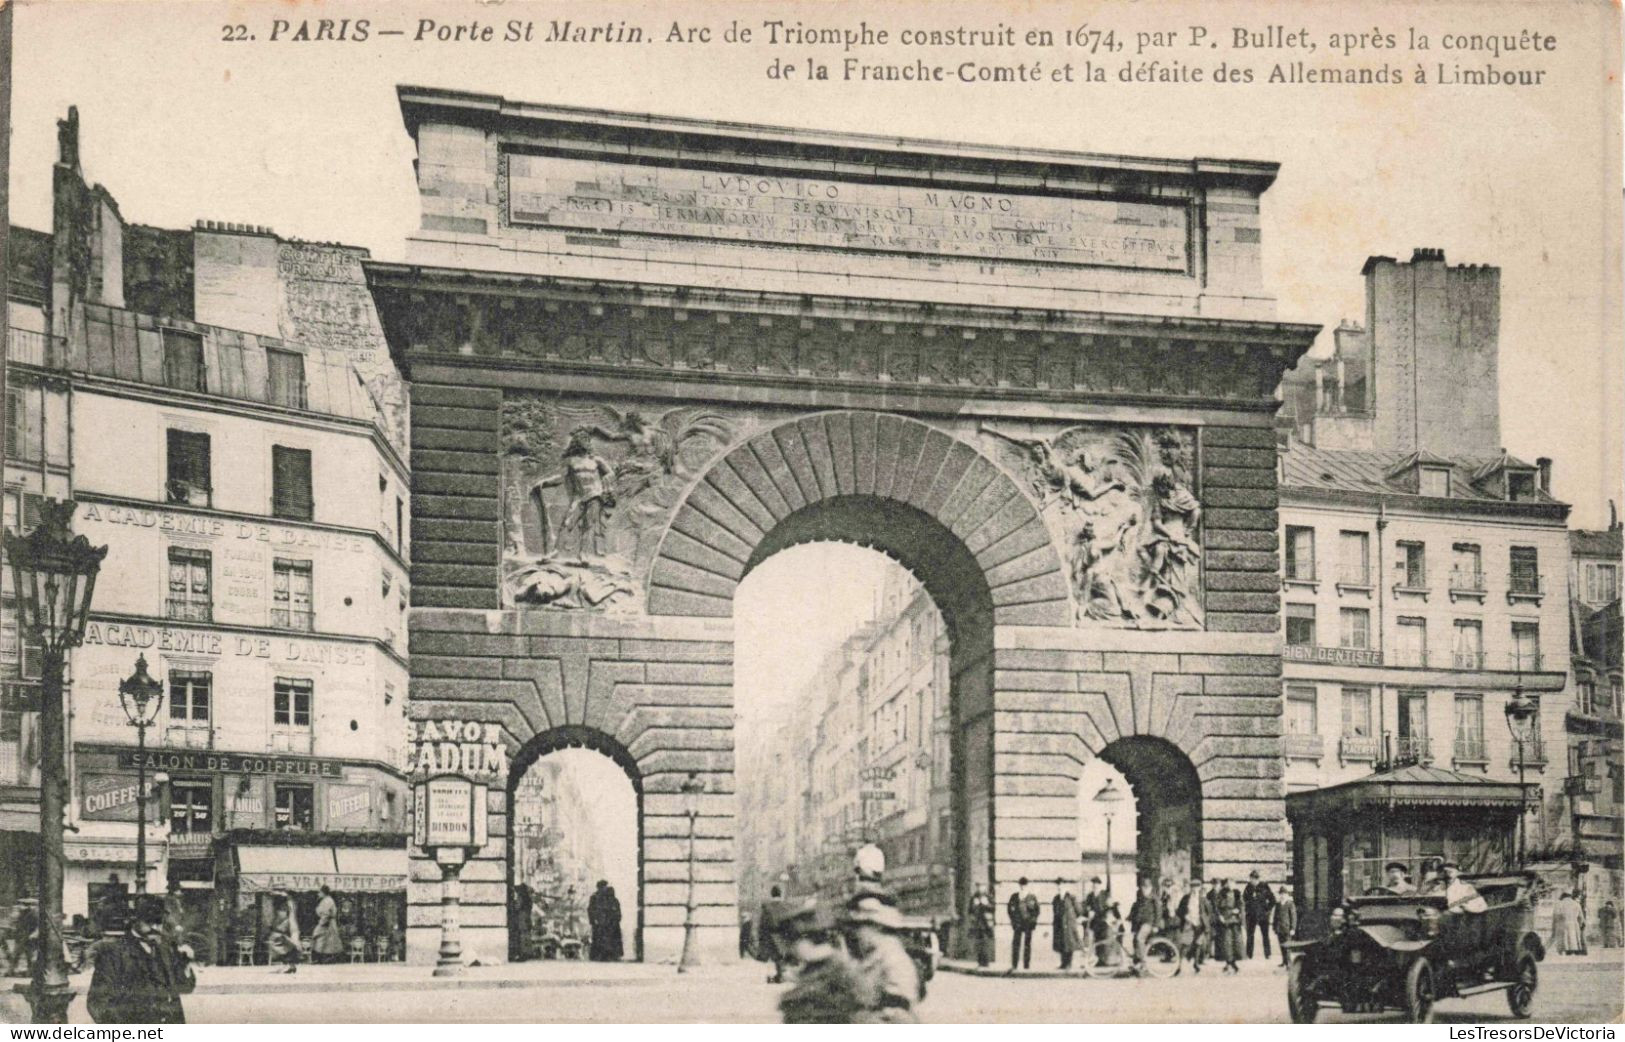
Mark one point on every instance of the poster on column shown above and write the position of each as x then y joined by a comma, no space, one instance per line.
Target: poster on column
1134,480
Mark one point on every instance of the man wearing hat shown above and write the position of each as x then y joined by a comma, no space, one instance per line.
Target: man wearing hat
1398,878
1259,904
1227,913
1286,920
883,962
140,977
1094,911
1023,912
828,988
1064,924
1460,894
1195,917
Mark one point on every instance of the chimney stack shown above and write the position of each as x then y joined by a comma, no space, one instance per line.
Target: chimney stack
1544,464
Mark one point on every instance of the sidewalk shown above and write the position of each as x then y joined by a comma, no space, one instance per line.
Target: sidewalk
1249,968
372,976
1603,957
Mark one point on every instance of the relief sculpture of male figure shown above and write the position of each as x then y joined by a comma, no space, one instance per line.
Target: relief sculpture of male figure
586,478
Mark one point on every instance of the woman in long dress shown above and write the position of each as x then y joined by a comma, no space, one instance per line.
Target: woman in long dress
1566,925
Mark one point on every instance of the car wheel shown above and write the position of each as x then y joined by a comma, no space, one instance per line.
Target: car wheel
1302,1008
1161,957
1419,993
1521,996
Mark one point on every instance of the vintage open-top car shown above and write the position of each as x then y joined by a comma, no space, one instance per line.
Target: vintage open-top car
1407,951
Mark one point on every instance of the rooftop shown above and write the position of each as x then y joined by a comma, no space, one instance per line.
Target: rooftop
1387,473
1595,542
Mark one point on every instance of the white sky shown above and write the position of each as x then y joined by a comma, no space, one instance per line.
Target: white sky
307,138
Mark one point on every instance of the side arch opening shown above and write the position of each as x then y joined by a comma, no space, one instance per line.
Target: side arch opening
569,829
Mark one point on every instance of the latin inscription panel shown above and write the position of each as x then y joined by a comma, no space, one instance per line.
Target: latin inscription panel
617,198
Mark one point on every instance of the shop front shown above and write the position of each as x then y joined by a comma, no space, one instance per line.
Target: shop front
367,875
1344,835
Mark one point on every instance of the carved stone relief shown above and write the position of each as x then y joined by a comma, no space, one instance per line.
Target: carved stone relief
1120,501
587,489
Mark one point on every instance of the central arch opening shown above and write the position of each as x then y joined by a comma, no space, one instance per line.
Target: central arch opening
863,680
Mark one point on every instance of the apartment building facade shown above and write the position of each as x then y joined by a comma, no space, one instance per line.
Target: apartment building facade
227,432
1420,594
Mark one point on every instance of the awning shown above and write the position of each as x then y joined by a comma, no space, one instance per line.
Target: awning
1410,786
343,869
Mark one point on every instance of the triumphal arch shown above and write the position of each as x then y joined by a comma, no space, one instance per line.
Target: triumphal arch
646,354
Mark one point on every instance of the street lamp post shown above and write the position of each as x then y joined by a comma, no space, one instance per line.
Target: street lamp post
1109,797
1520,712
141,696
691,788
53,576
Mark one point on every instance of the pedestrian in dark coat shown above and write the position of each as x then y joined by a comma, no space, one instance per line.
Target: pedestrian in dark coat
1258,906
1227,911
1093,911
1145,920
774,909
140,977
1064,924
604,921
979,912
1023,912
1286,920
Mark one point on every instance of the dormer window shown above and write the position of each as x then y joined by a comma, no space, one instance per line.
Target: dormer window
1434,481
1521,486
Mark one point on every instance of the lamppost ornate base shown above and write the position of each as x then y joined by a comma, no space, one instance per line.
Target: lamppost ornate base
48,1005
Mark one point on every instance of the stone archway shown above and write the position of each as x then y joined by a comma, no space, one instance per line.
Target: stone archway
1168,811
557,739
854,466
893,484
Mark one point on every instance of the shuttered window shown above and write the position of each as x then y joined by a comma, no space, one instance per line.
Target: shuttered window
188,478
285,376
290,483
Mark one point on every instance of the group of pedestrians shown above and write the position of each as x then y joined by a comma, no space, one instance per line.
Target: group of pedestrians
849,965
1220,922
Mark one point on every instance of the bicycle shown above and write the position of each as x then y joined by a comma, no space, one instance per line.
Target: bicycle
1109,957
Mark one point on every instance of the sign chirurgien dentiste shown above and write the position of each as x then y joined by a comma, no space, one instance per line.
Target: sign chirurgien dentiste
848,215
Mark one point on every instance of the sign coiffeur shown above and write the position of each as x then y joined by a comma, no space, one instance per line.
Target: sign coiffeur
466,747
111,797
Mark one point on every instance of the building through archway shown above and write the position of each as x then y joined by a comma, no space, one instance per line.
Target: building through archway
1041,381
574,808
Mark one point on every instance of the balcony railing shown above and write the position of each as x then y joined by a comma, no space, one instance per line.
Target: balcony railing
1534,753
1413,582
189,611
186,493
1524,661
1357,747
189,736
1525,584
1465,580
1413,749
31,347
293,619
1299,573
1467,659
1410,656
1470,750
1302,746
